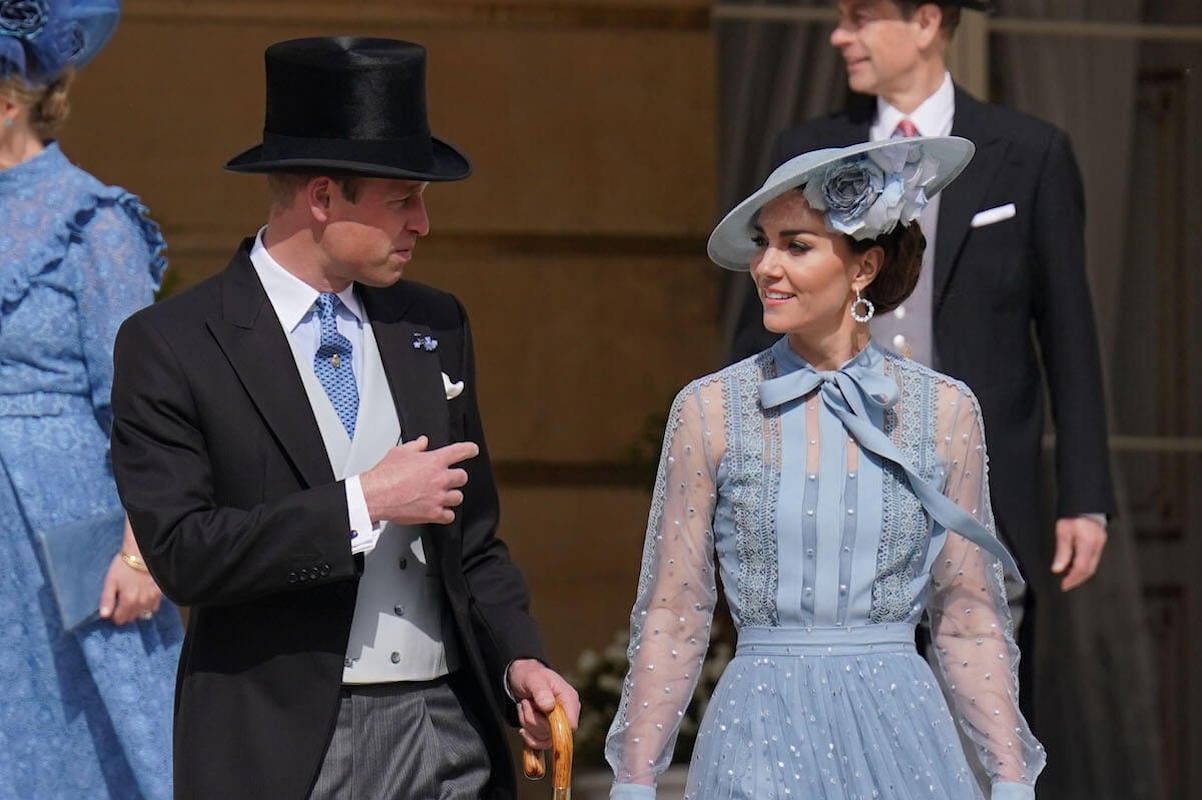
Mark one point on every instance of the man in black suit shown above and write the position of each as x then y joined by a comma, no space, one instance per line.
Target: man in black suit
1008,261
298,444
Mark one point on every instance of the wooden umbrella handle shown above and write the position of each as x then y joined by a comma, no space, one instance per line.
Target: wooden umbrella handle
535,767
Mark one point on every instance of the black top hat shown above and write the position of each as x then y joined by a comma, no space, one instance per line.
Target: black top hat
979,5
350,104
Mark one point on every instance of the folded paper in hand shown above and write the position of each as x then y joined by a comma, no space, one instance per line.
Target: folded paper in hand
77,558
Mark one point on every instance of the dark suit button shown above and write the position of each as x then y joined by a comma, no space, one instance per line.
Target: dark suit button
325,570
292,577
403,563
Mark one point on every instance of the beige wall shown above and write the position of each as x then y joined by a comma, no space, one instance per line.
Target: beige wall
577,246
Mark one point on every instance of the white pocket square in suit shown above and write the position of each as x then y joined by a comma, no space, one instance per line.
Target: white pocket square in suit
453,390
992,215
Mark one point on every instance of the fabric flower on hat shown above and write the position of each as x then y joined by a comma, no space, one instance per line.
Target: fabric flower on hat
35,38
870,194
846,193
23,18
41,38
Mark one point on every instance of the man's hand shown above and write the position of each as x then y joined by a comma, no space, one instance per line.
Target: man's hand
412,485
537,689
1079,543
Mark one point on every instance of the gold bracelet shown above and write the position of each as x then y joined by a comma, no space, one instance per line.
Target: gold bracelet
133,562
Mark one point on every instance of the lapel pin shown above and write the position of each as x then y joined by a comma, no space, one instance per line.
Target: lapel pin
423,341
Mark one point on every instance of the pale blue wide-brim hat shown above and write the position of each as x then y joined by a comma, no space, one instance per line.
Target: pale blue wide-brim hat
863,190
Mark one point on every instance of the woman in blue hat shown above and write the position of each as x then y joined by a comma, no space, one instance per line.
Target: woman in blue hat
89,649
840,492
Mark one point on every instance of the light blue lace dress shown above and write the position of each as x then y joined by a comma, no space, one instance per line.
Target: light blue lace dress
837,507
88,714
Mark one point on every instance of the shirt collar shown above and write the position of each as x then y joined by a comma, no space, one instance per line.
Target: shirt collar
932,118
291,297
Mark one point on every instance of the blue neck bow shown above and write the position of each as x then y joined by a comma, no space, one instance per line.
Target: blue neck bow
848,392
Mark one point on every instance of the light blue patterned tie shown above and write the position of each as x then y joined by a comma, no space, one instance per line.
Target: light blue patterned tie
333,364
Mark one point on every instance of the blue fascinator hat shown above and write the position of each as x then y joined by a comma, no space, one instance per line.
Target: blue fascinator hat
41,38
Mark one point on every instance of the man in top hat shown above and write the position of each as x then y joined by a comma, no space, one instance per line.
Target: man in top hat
1007,257
298,443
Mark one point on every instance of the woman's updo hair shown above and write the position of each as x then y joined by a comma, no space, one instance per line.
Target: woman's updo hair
898,274
48,105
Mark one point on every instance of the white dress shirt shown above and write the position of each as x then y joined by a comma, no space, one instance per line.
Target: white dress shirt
401,629
293,302
932,118
909,329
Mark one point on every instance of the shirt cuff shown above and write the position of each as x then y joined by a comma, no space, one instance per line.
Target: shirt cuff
1098,518
363,533
635,791
1012,791
508,688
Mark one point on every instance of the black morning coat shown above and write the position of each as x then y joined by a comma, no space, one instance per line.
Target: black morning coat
222,468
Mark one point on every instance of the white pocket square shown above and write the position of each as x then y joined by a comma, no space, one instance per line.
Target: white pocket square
992,215
453,390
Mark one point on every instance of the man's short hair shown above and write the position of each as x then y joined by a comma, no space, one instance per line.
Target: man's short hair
951,13
283,186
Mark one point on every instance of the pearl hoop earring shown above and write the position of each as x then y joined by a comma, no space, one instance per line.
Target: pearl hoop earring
869,308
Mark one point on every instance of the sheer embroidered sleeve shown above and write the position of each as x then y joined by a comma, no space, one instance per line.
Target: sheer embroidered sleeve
970,621
670,623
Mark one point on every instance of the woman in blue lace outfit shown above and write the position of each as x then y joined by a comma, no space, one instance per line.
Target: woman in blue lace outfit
840,491
86,713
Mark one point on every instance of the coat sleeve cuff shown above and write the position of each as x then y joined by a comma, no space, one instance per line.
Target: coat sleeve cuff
631,791
1012,791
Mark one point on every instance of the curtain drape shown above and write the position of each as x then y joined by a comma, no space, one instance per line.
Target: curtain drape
770,76
1096,701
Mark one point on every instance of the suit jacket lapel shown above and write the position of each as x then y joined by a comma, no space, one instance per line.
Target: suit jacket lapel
853,126
861,111
414,373
962,198
249,334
